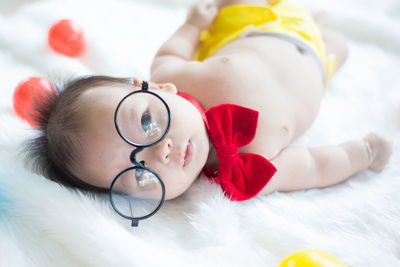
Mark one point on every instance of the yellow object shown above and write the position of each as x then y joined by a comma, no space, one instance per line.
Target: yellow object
280,18
310,258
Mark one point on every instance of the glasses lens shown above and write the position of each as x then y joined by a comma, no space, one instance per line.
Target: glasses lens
137,193
142,118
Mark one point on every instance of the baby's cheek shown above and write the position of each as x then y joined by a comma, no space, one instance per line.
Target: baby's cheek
125,184
177,185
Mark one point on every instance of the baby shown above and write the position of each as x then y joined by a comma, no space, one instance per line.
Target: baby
260,56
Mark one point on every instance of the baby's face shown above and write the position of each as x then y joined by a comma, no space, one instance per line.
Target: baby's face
104,153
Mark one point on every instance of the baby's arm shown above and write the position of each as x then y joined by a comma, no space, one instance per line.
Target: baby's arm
303,168
176,54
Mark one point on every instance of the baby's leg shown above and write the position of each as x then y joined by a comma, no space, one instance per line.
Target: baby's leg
334,42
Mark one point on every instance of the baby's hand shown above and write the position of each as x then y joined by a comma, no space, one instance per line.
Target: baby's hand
202,14
381,149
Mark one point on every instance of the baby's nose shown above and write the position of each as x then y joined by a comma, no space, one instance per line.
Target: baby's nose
163,150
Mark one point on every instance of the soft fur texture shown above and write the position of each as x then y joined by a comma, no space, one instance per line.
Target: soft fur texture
44,224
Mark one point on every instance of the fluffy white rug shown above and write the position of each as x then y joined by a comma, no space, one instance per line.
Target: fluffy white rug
43,224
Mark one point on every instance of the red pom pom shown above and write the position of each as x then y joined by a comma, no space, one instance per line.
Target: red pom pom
66,37
27,94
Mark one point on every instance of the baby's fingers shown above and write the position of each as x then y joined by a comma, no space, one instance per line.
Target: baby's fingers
202,14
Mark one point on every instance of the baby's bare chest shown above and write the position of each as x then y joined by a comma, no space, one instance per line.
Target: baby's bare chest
286,93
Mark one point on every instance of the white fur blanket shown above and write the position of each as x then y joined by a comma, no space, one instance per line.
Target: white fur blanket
43,224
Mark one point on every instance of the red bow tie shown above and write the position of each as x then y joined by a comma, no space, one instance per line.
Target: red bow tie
240,175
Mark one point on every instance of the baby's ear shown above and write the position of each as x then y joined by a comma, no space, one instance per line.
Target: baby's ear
165,87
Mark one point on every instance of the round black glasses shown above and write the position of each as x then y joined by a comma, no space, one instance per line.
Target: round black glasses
142,119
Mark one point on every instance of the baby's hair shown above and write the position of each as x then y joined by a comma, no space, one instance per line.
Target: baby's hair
54,151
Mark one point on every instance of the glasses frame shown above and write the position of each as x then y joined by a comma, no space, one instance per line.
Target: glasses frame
139,147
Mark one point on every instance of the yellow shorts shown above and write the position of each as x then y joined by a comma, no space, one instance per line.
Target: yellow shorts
282,19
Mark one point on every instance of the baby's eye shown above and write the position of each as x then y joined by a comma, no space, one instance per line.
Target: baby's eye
151,128
146,121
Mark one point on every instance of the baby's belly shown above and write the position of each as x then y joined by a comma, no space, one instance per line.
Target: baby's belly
270,75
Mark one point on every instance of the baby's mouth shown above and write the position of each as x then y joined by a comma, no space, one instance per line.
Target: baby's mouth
188,154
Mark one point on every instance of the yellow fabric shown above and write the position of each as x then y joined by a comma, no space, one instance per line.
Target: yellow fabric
311,258
280,16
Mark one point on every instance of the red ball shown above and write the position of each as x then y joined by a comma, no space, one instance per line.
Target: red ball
27,95
66,37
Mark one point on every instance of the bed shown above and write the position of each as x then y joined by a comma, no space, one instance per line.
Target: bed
358,221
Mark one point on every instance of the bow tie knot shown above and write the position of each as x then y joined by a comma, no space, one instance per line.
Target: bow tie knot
227,154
